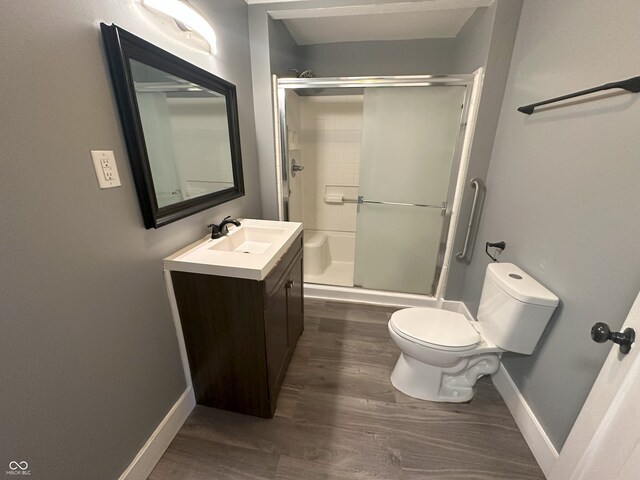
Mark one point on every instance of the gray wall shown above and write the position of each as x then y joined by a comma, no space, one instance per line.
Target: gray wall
563,193
401,57
284,52
272,52
486,39
494,28
473,41
263,108
89,355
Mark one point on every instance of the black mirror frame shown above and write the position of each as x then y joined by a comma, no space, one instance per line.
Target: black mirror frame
121,46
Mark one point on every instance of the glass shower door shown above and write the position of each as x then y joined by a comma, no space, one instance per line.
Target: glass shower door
409,137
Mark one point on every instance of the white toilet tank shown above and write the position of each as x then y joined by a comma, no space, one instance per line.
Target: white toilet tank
514,308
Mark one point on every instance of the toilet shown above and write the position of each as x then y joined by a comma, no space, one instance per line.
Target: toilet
444,353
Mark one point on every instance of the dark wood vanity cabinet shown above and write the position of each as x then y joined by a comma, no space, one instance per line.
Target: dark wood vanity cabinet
240,334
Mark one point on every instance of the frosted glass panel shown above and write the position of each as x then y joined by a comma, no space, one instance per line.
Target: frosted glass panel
398,252
409,136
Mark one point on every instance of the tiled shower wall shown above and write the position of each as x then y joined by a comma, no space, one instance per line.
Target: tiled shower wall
330,142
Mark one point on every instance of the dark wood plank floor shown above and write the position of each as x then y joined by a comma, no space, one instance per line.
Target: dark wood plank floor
339,417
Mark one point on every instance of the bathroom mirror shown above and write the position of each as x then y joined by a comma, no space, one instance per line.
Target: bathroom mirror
180,124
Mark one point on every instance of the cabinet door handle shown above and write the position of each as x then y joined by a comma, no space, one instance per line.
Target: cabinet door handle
289,284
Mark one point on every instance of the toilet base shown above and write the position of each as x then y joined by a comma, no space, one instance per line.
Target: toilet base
437,384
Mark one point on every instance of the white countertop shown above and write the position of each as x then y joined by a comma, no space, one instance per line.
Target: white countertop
204,257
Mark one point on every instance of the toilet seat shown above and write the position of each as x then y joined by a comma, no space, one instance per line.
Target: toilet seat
435,328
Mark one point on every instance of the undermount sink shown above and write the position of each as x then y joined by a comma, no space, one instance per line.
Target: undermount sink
245,239
249,251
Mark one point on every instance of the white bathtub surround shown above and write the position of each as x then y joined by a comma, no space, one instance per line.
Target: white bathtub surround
324,135
328,257
323,140
330,142
379,297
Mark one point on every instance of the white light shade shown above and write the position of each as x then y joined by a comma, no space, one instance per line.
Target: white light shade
187,15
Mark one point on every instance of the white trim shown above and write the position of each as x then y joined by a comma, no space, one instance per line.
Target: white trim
149,455
178,326
467,126
258,2
276,100
465,158
539,443
375,9
363,295
380,297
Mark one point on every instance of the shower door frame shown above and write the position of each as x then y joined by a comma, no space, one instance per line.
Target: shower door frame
280,87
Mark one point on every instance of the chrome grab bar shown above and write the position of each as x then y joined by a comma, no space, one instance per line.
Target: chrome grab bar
477,184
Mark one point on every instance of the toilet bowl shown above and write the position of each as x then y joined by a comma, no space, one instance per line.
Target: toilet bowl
444,353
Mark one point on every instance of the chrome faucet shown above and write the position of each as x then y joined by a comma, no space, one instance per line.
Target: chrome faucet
219,231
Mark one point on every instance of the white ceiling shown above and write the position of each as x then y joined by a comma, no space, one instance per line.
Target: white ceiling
380,21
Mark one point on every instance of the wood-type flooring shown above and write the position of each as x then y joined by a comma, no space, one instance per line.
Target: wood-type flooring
339,417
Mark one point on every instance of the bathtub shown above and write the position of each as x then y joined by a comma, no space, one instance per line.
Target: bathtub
329,257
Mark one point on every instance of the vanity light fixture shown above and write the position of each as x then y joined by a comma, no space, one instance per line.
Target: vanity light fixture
187,15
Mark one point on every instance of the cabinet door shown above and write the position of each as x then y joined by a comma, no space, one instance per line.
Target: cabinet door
277,337
295,304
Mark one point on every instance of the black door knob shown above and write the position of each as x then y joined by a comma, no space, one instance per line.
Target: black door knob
601,332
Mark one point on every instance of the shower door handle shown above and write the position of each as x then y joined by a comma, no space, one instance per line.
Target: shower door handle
478,185
361,200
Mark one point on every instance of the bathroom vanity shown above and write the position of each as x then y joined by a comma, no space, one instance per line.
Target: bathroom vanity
240,301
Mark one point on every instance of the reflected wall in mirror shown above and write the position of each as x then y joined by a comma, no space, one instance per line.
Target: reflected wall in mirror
181,127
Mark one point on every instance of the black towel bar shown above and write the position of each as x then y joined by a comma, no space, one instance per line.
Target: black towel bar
630,85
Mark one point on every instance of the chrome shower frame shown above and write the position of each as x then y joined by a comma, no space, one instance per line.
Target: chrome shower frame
459,165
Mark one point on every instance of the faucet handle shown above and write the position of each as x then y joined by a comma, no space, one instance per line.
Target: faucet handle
216,224
215,230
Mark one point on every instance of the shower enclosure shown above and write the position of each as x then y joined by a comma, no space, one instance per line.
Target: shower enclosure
370,166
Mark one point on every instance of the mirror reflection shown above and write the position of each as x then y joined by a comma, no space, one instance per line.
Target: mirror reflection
186,132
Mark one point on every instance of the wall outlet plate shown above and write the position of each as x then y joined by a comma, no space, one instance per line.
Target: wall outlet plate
106,170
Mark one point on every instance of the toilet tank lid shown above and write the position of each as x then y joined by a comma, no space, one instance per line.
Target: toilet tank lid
520,285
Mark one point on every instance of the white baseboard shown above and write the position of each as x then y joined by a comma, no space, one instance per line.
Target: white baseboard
541,447
149,455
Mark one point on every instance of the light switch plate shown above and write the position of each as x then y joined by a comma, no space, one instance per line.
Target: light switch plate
105,164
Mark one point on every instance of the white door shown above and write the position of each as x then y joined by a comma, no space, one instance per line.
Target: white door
604,443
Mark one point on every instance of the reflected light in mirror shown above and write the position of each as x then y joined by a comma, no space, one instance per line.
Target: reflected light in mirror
186,131
187,15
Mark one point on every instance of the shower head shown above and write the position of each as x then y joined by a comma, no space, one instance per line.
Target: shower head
302,74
